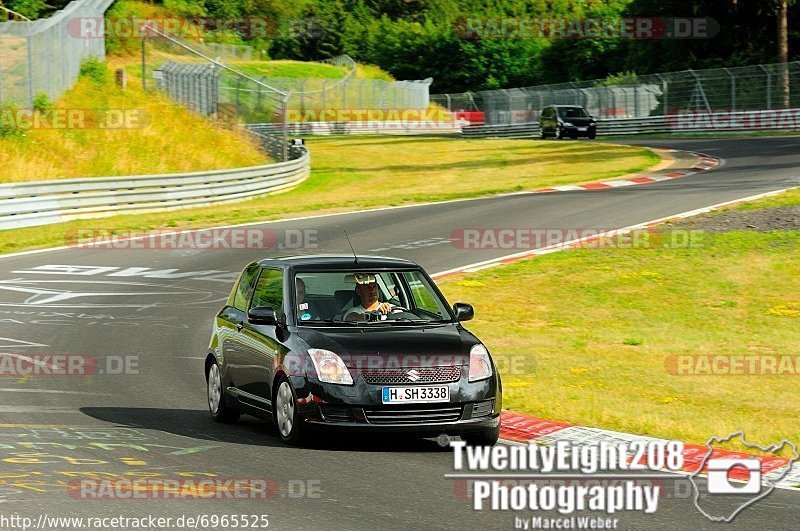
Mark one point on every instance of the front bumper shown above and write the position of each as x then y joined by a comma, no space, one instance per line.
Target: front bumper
473,406
574,130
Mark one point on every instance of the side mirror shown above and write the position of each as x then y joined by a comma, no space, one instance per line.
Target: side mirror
463,311
262,315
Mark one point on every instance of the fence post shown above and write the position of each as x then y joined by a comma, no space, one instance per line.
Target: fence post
30,70
769,86
733,88
285,130
144,58
665,93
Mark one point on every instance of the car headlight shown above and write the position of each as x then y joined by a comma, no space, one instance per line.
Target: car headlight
567,124
592,123
330,367
480,366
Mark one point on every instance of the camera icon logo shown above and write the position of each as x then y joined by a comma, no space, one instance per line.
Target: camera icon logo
735,480
720,476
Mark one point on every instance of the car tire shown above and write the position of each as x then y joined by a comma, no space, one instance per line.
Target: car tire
482,438
286,413
219,404
592,136
574,137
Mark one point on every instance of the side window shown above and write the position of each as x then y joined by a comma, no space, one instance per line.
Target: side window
242,290
269,290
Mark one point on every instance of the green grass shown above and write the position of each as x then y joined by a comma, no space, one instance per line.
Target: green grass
789,198
290,69
585,334
361,172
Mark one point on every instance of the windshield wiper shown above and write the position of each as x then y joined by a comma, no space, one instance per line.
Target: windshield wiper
330,322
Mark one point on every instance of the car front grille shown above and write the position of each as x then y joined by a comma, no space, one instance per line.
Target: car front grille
413,415
416,375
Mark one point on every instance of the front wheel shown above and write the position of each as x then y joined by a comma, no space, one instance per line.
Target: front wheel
482,438
218,401
592,136
286,414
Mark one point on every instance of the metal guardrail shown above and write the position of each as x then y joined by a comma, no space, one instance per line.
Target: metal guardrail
35,203
763,120
358,128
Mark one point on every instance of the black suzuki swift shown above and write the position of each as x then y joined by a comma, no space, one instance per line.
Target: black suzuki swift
363,343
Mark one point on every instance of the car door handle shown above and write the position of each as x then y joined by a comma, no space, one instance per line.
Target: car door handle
239,326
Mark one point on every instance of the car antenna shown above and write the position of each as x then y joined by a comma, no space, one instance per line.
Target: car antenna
351,246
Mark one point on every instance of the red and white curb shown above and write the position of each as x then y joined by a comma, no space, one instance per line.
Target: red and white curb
703,163
516,428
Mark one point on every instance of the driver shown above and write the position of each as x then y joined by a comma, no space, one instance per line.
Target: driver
367,291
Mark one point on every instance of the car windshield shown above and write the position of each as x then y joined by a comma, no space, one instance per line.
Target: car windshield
357,298
572,112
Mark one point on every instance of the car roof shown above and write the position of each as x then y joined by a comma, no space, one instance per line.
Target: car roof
576,105
337,262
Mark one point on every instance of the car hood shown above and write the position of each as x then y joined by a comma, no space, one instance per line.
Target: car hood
394,346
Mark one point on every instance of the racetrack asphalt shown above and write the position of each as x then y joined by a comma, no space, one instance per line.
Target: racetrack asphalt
155,422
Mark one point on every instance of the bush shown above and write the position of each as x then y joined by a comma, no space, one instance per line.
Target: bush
95,69
9,125
42,104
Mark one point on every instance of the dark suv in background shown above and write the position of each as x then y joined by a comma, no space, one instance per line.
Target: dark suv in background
566,120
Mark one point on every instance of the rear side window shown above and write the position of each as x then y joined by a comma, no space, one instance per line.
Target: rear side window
269,290
243,288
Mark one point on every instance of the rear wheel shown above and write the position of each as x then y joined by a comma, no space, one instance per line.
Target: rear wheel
482,438
218,401
592,136
286,413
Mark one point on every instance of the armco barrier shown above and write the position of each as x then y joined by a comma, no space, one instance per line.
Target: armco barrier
694,122
43,202
366,127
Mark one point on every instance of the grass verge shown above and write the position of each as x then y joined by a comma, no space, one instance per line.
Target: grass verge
362,172
591,341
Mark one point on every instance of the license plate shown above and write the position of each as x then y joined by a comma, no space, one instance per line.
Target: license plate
415,395
582,128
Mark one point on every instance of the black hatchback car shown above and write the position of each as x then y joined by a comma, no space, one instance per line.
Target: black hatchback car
566,120
359,344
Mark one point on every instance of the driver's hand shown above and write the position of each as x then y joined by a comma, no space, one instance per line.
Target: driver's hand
384,308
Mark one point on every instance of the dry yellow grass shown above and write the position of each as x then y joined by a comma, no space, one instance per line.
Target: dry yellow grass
172,139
